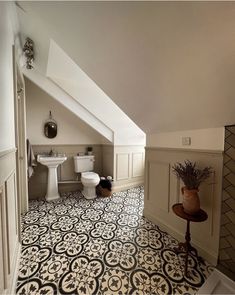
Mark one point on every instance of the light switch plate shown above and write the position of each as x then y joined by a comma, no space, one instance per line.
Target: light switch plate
186,140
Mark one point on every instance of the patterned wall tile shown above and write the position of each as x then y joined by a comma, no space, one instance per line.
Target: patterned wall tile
227,231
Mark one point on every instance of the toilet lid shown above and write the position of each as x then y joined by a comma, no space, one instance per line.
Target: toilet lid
89,175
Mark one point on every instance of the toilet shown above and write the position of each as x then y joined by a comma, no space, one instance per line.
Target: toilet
89,179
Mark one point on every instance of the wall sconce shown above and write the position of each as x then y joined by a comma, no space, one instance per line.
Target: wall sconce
29,53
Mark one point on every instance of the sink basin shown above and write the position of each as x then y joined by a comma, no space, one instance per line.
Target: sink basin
52,162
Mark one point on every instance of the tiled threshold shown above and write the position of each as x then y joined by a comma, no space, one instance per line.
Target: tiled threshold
102,246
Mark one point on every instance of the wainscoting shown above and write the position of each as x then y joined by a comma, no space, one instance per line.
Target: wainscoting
128,167
162,190
9,227
124,163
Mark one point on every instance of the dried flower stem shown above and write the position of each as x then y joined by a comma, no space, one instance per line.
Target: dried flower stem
191,176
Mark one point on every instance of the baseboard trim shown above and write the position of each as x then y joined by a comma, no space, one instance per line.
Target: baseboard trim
210,257
124,186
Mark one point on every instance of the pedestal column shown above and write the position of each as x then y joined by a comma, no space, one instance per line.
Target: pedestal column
52,184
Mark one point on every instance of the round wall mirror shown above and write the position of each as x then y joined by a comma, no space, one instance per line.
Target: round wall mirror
50,128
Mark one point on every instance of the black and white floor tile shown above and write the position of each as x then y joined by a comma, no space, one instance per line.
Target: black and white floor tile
102,246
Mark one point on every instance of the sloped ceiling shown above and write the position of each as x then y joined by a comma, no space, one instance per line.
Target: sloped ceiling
169,65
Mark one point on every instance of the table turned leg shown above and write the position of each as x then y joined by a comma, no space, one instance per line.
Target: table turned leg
187,246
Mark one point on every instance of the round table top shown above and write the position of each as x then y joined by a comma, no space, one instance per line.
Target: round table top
179,211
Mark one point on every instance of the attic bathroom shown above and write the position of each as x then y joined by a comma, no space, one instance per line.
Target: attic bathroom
73,138
144,85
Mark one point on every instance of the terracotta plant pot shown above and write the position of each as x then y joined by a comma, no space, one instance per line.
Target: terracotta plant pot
191,201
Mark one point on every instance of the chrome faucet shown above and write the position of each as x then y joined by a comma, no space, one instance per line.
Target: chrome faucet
51,153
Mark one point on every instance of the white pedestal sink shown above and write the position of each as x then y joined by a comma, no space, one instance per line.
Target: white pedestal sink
52,162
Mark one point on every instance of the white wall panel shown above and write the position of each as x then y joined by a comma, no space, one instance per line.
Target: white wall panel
159,183
12,219
128,166
122,165
137,164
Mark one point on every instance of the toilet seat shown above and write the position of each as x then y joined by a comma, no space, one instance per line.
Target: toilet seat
90,176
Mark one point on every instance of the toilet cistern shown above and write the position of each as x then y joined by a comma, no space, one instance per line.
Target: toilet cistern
52,162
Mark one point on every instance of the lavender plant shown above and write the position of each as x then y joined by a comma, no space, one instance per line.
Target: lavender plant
191,176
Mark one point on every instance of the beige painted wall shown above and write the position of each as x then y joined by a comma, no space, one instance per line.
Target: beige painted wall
162,190
208,139
71,130
7,127
108,159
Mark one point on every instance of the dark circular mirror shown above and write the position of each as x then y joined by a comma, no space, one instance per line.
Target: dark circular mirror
50,129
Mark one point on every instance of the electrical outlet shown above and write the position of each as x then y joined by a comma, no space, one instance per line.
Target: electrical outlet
186,140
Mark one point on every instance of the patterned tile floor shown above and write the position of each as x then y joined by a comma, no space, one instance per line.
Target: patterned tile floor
102,246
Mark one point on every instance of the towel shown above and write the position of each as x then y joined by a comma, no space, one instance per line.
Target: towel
30,159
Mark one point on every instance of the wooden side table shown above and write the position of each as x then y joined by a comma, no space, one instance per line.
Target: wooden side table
186,246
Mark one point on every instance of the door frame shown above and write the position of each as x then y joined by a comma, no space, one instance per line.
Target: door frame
20,136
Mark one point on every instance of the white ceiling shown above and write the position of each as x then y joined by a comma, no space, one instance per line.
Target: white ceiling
169,65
